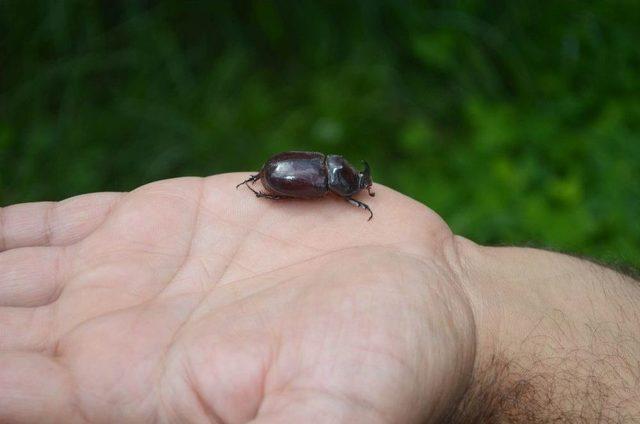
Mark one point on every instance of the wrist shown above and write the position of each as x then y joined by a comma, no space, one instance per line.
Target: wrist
557,336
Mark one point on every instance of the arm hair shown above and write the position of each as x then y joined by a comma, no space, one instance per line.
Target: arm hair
551,379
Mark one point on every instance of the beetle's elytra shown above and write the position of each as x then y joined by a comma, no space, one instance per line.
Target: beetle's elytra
308,175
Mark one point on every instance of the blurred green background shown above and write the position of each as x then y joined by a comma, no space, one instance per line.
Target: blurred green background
517,121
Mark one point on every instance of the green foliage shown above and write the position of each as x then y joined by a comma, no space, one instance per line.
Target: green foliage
519,122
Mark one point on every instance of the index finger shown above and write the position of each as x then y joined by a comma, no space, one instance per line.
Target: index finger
54,223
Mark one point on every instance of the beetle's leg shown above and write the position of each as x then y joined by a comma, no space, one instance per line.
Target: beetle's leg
267,195
251,179
271,196
360,204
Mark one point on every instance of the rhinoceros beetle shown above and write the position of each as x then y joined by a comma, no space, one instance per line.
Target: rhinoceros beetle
308,175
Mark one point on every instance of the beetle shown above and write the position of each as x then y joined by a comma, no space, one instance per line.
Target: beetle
309,175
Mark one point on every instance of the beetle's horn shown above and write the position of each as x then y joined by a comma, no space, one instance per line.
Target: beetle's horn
367,170
366,175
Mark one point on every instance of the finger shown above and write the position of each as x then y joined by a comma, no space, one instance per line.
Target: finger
26,329
35,388
31,276
53,223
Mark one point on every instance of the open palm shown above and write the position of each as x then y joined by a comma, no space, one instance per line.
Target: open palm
187,300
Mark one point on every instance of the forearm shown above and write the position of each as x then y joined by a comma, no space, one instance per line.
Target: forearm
558,338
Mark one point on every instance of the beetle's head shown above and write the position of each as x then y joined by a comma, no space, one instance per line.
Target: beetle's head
365,179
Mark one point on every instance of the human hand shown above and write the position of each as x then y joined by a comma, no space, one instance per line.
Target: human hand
187,300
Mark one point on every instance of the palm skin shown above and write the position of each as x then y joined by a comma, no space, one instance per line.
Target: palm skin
187,300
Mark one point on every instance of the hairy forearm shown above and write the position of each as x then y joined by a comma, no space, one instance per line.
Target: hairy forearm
558,339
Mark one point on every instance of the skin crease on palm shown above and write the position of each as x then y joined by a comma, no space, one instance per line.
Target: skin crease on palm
187,300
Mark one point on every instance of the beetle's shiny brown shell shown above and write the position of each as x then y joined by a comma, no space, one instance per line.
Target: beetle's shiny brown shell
296,174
